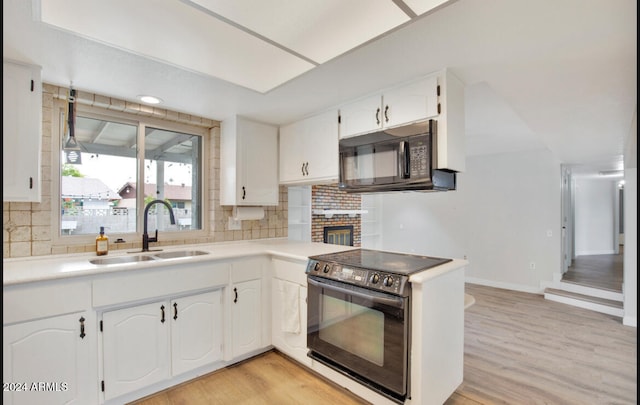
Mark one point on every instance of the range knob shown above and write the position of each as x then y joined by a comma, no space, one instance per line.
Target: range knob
316,267
326,268
374,278
387,281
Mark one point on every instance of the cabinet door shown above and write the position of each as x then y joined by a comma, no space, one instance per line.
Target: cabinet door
196,331
284,337
412,102
321,148
361,117
258,164
292,153
21,132
48,351
135,347
246,317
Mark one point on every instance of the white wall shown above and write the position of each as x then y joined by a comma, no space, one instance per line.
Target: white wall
499,218
595,215
630,255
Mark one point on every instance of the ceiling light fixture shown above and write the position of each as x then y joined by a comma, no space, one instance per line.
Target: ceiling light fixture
149,99
611,173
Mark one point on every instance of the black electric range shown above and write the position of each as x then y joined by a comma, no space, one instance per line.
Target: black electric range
373,269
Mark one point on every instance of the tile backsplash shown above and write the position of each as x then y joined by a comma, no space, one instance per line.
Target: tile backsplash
27,227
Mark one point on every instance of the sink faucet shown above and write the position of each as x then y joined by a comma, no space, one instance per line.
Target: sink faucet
145,236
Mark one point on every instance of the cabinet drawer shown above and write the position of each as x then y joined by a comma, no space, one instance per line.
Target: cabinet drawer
145,284
39,300
293,271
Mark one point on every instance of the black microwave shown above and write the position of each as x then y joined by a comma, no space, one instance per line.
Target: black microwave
396,159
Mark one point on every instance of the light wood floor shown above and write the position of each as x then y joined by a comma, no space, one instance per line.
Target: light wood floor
519,349
599,271
270,378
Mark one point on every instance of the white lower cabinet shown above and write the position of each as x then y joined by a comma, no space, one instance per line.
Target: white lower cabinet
48,361
285,337
152,342
246,317
289,309
247,307
196,331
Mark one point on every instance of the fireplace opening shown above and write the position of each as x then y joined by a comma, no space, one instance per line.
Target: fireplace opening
339,235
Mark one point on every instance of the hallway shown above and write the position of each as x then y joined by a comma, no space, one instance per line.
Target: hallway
598,271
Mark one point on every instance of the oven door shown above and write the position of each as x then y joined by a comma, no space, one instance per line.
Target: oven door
361,333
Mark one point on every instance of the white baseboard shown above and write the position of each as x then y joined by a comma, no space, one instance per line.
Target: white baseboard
630,321
596,252
505,286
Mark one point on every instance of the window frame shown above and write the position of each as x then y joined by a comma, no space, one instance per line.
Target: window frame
60,108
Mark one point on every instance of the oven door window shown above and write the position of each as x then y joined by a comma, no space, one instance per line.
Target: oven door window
366,326
360,332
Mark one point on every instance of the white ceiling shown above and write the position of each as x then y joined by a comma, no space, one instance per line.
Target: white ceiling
555,74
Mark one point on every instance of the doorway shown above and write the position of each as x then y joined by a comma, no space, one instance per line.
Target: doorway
592,231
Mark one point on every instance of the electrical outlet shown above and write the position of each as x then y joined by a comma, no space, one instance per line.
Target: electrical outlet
532,265
234,224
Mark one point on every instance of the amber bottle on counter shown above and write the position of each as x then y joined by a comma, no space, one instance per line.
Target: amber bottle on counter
102,243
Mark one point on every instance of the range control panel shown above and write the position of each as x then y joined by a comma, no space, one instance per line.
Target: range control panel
372,279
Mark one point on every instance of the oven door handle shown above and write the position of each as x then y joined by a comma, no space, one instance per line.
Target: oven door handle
376,298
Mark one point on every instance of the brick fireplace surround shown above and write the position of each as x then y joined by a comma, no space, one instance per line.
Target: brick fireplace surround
329,197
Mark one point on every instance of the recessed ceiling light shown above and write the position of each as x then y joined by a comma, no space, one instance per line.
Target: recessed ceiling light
149,99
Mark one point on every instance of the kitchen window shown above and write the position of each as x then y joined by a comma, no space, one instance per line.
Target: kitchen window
116,163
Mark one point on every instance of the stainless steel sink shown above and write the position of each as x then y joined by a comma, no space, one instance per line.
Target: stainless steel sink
122,259
148,257
179,253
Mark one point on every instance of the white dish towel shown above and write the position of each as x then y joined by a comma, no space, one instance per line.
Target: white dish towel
290,307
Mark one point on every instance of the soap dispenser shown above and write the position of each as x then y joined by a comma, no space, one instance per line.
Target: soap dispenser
102,243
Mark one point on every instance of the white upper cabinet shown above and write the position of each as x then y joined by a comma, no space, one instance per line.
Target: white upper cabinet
451,137
309,150
21,131
438,96
248,163
361,117
416,101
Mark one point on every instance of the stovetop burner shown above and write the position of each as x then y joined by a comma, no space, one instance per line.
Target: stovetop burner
377,270
397,263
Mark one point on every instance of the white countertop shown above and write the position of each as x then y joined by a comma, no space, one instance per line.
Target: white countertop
53,267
